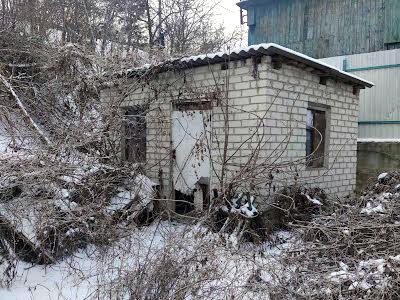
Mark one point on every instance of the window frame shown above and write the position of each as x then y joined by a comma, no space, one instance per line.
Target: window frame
327,110
139,111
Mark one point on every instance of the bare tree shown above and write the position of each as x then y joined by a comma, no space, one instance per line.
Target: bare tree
192,27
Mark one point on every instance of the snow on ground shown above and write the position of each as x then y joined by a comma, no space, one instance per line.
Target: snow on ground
225,270
60,281
377,203
372,208
52,282
313,200
21,215
15,138
141,187
367,274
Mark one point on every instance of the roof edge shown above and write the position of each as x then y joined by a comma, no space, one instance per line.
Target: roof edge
318,65
269,49
245,4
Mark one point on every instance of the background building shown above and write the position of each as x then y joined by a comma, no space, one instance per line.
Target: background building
358,36
324,28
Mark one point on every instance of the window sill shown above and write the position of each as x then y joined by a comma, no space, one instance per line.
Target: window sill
316,168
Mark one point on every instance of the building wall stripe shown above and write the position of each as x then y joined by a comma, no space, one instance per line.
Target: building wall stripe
372,68
378,122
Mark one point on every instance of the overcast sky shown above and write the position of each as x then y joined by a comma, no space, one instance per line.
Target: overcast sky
229,14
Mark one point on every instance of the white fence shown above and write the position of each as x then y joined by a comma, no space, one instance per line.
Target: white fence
379,117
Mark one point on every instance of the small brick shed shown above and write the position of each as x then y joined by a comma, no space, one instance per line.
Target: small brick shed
265,115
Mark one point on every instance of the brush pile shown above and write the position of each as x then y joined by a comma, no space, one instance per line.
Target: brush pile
351,251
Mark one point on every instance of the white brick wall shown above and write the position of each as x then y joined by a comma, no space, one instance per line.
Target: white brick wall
278,98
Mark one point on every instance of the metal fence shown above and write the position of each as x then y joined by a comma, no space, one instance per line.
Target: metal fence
379,117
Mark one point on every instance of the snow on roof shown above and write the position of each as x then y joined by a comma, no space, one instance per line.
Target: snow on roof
267,49
271,48
245,4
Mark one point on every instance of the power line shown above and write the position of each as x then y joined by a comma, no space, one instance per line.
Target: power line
228,9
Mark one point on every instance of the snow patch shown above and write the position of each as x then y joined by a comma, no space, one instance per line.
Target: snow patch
372,208
142,188
313,200
65,204
367,274
382,176
395,258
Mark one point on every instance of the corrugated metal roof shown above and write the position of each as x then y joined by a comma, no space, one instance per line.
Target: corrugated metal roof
269,49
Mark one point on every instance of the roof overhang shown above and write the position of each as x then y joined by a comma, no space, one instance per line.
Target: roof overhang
280,53
250,3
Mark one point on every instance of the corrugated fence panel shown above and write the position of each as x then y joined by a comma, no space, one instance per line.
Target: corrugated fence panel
379,106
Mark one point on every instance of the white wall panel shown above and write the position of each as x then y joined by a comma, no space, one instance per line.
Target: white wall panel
379,106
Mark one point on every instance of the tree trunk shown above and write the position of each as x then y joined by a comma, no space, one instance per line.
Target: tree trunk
29,119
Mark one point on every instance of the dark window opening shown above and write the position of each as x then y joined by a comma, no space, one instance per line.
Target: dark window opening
316,137
224,66
134,149
356,90
257,60
206,196
323,80
184,203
